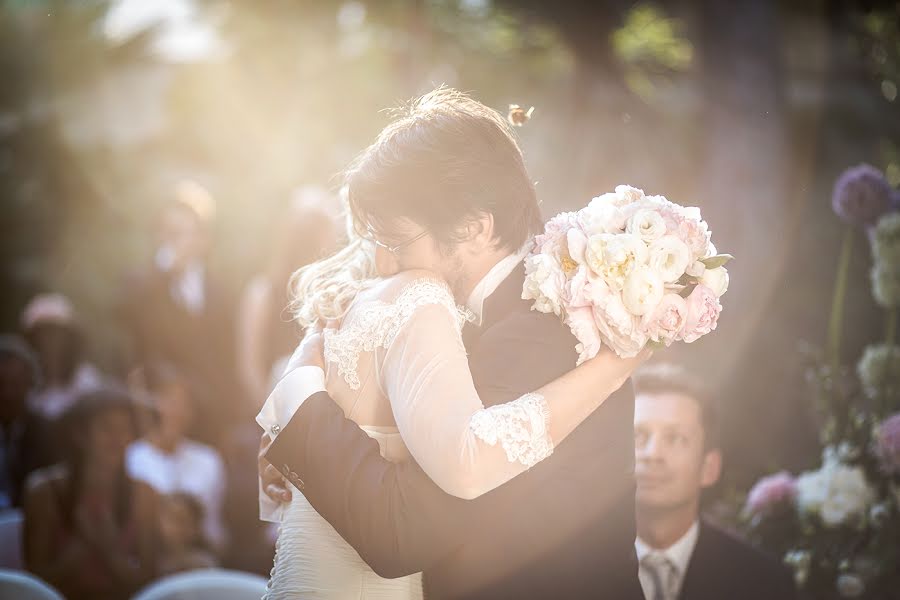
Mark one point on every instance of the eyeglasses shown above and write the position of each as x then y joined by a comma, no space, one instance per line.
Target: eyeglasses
371,236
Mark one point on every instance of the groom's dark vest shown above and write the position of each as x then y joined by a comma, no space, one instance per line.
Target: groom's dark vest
563,529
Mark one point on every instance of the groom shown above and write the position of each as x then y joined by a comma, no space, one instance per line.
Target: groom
445,188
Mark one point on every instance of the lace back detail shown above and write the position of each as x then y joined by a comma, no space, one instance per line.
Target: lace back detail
522,427
377,324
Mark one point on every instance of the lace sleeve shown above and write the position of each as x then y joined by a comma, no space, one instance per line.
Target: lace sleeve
521,427
465,448
376,325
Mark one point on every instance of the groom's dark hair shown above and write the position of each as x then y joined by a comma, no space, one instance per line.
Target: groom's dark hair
444,162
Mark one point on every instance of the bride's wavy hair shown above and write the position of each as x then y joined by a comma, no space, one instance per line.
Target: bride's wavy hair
323,290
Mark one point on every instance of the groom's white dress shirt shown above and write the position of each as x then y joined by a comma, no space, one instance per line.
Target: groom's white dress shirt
675,558
309,380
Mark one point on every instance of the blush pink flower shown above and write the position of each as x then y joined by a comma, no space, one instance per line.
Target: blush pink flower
771,492
887,444
703,309
584,328
666,323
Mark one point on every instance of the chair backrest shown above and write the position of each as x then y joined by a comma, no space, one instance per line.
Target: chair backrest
11,539
24,586
205,584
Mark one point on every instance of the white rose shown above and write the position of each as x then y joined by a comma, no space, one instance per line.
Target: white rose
602,216
642,291
646,224
716,280
669,257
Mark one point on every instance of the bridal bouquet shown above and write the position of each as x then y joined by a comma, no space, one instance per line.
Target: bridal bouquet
628,270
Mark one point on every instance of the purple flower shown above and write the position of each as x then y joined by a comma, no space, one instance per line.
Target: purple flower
862,194
770,492
887,443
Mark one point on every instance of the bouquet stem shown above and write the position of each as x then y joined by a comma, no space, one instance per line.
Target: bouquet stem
890,326
837,304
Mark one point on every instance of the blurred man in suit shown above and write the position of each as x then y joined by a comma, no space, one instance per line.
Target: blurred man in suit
180,314
677,456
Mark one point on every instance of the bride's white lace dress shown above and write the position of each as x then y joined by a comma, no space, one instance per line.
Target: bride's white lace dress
398,368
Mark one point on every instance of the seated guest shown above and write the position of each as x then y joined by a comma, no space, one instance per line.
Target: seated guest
676,456
49,326
90,530
170,462
184,546
24,446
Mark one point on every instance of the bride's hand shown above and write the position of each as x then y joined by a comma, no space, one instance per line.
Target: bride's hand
614,370
310,352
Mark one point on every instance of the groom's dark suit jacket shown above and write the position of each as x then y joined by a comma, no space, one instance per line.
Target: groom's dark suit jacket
563,529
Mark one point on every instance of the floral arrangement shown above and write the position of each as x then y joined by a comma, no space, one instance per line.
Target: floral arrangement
838,526
628,271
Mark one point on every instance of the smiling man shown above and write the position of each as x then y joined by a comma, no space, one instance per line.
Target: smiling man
677,456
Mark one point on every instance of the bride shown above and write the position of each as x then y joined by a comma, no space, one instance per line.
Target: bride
397,367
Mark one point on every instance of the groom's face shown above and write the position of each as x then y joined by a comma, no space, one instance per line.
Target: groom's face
400,248
672,464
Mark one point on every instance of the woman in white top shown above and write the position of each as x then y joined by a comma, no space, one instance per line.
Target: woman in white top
398,368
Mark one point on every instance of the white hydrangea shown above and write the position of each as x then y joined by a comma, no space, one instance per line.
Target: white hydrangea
836,492
886,241
885,284
879,368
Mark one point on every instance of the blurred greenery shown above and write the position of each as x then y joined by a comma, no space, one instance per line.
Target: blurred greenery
748,109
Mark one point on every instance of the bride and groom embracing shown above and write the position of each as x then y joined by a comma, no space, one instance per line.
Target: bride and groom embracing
442,440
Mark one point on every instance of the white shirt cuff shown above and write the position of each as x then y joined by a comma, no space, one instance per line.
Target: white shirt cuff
288,395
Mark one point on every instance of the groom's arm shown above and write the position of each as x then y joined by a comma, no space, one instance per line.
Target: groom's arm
395,517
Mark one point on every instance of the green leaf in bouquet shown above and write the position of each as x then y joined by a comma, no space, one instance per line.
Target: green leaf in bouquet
687,290
714,262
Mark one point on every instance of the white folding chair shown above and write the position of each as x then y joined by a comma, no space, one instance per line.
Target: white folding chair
24,586
11,539
205,584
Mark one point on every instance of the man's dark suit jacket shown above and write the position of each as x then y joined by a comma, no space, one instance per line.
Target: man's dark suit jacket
199,345
724,567
563,529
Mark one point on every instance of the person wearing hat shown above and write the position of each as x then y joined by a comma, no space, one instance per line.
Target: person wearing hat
50,327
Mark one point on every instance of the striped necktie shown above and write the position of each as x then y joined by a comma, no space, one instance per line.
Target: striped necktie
661,571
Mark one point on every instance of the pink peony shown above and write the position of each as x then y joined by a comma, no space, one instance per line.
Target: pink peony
887,444
694,233
770,492
619,329
666,323
702,314
584,328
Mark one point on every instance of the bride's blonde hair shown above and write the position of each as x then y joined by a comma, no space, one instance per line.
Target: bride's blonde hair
323,290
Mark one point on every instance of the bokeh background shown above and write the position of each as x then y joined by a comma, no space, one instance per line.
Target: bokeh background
748,109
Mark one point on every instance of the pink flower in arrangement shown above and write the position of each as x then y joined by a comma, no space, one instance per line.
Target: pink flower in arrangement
771,492
666,323
887,443
703,308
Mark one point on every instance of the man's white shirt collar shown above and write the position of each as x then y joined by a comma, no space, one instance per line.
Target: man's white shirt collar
679,553
492,280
